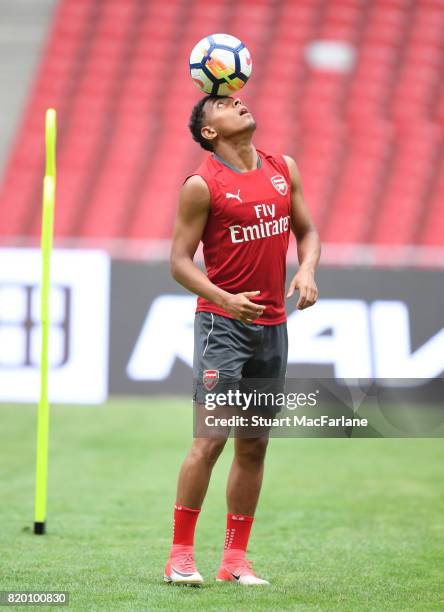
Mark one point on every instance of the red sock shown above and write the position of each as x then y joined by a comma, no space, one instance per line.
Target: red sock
184,525
238,532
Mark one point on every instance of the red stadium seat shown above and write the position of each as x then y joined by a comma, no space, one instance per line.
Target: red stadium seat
368,141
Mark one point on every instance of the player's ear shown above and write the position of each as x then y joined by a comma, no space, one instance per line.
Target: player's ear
208,132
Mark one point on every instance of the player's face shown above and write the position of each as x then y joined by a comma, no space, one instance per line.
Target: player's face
227,116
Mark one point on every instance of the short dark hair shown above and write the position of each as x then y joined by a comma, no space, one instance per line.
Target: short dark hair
196,123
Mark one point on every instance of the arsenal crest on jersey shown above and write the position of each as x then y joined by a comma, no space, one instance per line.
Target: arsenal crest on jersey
210,379
280,184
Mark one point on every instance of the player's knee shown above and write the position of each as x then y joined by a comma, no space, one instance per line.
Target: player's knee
252,450
208,449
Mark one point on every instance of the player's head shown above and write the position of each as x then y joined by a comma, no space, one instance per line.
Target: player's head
216,118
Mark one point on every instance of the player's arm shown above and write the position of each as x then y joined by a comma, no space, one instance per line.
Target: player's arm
192,215
308,243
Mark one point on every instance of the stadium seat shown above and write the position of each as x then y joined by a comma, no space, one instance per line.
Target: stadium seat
368,139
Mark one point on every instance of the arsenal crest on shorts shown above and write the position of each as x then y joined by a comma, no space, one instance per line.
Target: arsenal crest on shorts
280,184
210,379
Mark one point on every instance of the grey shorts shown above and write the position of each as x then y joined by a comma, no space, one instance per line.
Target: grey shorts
228,352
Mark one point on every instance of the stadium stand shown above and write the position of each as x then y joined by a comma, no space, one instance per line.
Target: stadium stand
367,133
23,30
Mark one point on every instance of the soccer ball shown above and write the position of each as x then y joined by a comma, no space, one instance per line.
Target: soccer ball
220,64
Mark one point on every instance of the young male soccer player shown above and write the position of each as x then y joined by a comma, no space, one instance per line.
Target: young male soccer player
241,203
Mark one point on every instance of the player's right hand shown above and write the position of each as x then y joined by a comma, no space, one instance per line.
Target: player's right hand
241,308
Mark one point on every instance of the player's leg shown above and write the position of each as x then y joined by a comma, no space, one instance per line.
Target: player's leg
243,489
211,354
194,477
246,474
195,473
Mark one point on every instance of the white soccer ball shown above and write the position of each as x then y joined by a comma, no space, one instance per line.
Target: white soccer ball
220,64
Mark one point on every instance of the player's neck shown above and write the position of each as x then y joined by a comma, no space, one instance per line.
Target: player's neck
242,156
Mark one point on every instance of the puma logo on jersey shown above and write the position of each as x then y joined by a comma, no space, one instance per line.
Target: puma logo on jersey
234,196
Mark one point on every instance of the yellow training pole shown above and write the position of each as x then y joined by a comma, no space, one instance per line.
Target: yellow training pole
50,140
49,183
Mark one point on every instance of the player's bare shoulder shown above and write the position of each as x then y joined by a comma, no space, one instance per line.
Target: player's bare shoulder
293,170
195,194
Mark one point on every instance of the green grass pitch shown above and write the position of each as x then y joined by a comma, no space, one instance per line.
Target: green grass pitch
341,524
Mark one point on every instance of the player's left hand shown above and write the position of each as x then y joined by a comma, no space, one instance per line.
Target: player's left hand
305,283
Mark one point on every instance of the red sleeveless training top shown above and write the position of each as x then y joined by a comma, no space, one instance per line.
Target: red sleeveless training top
245,240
